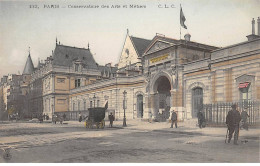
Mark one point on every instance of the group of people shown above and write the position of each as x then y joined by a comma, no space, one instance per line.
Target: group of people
46,117
233,120
201,119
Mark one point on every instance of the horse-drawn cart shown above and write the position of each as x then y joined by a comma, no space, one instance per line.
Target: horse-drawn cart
96,118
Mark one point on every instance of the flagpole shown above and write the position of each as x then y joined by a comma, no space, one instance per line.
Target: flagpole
180,24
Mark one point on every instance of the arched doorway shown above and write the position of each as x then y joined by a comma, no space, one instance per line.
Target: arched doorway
140,110
197,101
163,86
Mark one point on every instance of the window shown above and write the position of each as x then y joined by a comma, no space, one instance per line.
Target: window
245,92
60,80
77,83
76,67
73,108
78,105
84,105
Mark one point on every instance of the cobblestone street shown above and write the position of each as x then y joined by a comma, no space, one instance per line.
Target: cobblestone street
138,142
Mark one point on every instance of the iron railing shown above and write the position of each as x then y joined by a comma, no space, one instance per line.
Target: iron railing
73,115
215,114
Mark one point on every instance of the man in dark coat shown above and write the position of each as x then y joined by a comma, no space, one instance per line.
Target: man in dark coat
64,117
174,119
80,117
232,120
111,119
244,116
201,118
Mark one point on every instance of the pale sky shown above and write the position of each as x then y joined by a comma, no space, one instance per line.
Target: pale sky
214,22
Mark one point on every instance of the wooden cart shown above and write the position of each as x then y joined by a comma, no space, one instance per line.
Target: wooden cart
96,118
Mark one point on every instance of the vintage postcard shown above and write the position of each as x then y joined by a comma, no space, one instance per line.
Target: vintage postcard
129,81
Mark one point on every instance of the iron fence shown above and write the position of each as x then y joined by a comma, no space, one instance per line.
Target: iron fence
215,114
73,115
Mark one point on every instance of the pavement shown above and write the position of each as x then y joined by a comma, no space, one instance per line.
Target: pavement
187,126
140,141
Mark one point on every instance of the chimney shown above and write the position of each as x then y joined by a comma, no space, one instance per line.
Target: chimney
253,26
253,35
258,25
187,37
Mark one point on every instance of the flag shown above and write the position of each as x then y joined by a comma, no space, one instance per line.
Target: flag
182,19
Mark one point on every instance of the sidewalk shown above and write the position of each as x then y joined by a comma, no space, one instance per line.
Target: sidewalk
188,127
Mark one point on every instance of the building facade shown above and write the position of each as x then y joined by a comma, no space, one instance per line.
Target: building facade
158,76
178,75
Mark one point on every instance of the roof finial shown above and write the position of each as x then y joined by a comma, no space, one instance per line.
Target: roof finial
127,30
56,41
88,45
29,50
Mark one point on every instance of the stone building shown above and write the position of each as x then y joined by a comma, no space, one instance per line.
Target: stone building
67,68
158,75
179,75
11,96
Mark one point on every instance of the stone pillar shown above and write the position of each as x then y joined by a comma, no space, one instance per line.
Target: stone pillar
146,108
153,105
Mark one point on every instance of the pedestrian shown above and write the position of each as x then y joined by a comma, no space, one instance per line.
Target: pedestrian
64,117
232,120
54,118
174,119
80,117
244,116
47,117
111,119
201,119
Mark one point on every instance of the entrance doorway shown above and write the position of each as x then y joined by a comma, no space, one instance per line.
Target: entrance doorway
163,87
197,101
140,110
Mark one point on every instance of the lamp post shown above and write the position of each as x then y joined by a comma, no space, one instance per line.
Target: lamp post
124,107
52,110
94,98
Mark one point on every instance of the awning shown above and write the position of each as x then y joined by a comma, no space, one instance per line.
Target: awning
243,85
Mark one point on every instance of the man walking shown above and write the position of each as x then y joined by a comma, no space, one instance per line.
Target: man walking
201,118
244,116
174,119
111,119
232,120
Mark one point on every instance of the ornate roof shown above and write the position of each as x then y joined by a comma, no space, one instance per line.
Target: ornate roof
66,55
140,44
28,68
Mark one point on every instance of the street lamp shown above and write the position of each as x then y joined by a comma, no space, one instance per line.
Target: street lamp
52,110
94,98
124,107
